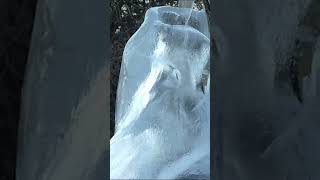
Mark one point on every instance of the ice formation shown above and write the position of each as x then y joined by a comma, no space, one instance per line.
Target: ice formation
162,114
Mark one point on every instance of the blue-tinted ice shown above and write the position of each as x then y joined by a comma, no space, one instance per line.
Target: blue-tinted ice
162,112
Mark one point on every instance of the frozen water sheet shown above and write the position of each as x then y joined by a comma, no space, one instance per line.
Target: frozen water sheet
162,114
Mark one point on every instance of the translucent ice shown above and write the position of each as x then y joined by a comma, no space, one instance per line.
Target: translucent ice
162,113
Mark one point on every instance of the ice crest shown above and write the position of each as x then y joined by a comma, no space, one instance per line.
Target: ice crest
162,111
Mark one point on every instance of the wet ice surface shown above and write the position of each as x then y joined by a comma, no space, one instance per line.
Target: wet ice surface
162,118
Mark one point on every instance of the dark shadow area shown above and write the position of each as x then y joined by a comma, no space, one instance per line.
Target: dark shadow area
267,84
16,18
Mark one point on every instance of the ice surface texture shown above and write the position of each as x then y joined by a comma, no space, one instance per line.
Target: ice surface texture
162,112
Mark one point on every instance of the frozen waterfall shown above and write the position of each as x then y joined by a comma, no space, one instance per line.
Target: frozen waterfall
162,112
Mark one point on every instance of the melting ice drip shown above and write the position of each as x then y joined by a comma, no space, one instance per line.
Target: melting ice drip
162,118
190,13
